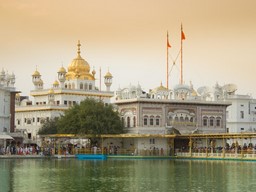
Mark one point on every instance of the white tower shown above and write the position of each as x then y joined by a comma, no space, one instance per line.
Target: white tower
62,76
37,81
108,80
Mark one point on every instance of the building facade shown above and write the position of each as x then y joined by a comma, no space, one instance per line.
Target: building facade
73,86
7,105
241,117
162,111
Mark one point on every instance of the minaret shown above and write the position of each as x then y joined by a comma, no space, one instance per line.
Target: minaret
36,79
12,79
108,80
2,77
62,76
55,84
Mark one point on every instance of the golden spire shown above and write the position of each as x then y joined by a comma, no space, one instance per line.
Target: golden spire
78,47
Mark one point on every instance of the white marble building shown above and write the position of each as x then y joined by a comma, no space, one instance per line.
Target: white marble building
161,111
7,97
73,85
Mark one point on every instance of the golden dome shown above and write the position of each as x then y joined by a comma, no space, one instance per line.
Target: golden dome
108,75
161,88
194,93
56,82
62,70
51,91
36,73
17,95
79,68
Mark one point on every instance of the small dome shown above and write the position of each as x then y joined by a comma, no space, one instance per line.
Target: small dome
194,93
62,70
160,88
182,86
108,75
17,95
55,82
36,73
51,91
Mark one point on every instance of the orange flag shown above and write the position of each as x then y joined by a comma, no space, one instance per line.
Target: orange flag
182,36
168,44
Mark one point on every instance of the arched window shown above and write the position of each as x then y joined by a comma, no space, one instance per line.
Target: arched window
181,119
218,122
212,121
157,120
81,86
151,120
205,121
122,119
145,120
28,121
86,86
90,86
128,122
66,86
69,86
186,119
134,121
176,118
191,119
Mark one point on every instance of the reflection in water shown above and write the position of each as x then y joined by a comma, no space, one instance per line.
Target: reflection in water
125,175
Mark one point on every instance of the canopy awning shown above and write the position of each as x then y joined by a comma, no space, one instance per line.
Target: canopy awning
4,136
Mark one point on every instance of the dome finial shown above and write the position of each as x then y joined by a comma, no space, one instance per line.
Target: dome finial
78,47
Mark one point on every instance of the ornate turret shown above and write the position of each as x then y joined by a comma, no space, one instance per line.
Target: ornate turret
108,80
2,76
62,75
12,79
36,79
55,84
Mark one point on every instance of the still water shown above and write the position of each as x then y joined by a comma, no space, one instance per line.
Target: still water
45,175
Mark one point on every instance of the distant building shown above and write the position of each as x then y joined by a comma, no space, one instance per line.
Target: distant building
7,105
241,117
73,85
179,111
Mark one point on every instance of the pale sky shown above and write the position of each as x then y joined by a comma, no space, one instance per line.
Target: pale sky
129,38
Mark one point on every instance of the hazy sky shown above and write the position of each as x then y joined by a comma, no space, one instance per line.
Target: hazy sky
129,38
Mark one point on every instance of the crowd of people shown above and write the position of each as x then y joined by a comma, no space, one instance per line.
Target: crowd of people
20,150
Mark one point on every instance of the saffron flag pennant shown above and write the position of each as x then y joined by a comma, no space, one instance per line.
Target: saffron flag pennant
168,44
182,36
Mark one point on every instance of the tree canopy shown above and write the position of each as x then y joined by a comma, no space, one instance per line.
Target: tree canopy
89,117
49,127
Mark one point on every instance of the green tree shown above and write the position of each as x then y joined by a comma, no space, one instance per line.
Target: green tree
91,117
49,127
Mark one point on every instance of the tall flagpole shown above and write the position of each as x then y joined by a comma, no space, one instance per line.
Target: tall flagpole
182,37
167,61
167,64
181,64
